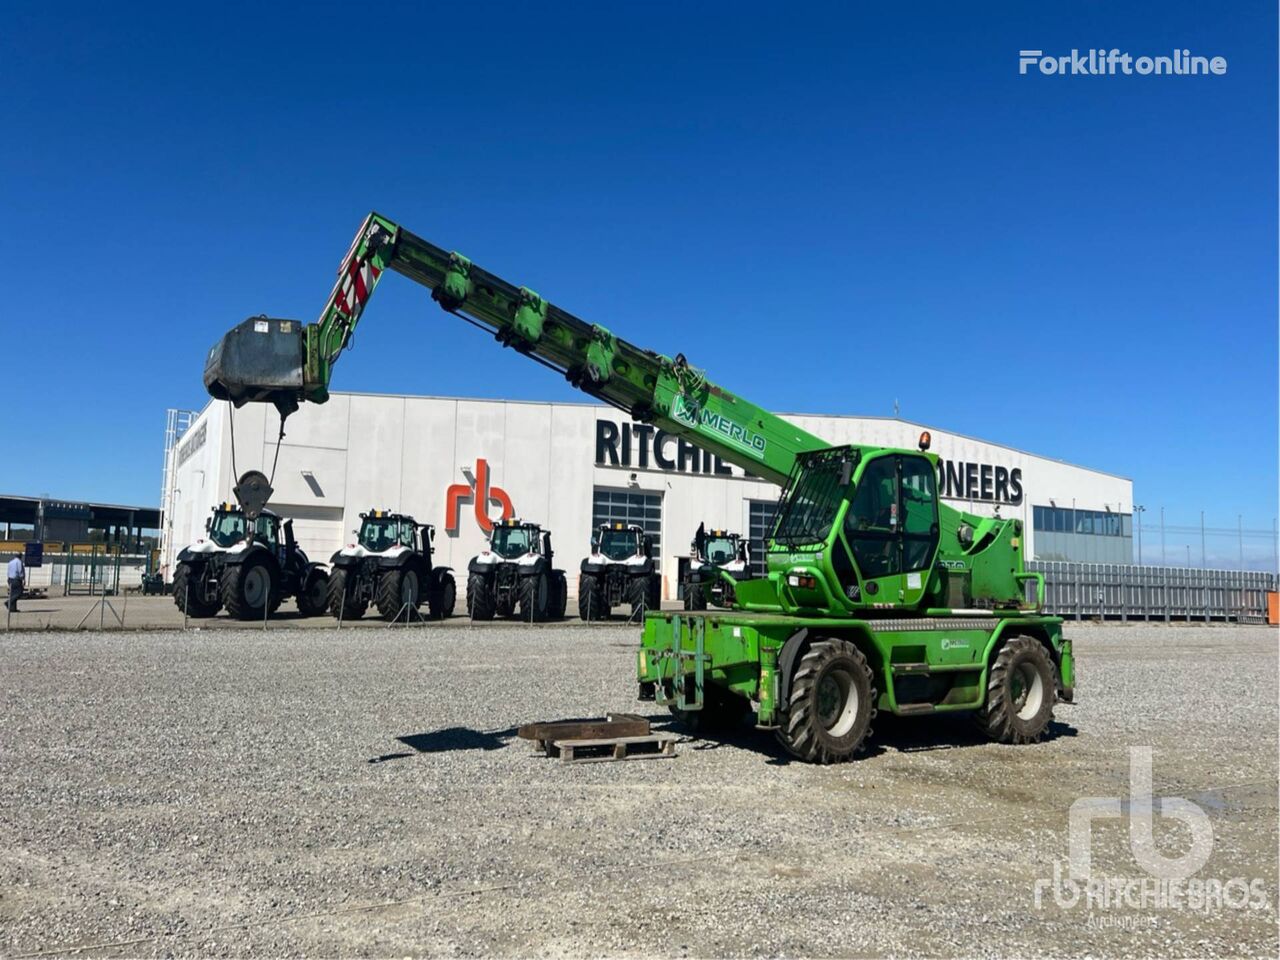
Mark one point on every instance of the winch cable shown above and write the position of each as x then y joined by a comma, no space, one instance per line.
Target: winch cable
231,417
280,439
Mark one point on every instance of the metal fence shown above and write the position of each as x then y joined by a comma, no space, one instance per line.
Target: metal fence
1121,591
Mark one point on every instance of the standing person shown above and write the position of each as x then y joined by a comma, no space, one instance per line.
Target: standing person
15,582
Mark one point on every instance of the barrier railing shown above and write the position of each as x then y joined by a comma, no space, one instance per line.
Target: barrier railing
1119,591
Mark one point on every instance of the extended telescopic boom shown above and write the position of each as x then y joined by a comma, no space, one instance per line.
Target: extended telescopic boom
280,361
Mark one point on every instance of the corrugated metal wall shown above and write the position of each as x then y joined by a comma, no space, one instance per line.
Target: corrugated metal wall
1122,591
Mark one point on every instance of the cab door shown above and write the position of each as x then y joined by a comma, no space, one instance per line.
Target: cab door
890,531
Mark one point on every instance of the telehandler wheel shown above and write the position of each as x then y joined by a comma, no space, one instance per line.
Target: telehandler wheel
396,588
1020,692
591,602
480,602
535,597
314,596
247,587
185,594
348,609
694,597
559,596
638,592
833,697
444,596
722,712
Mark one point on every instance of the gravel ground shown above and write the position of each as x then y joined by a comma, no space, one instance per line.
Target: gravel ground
362,793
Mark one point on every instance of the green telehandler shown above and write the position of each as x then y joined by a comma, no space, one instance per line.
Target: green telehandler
877,596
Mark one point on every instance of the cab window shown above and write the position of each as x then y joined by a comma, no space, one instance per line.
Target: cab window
871,523
919,513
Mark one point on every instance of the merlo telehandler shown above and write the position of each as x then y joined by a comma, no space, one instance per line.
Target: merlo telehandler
876,597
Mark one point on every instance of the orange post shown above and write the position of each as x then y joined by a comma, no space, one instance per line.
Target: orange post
1273,607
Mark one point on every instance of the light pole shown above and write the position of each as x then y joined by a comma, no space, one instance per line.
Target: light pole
1138,511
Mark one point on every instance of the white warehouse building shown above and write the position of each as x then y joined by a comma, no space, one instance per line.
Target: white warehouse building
458,464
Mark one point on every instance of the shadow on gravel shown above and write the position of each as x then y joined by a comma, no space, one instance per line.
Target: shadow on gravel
449,739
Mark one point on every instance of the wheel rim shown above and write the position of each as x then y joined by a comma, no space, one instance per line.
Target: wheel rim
837,701
1026,690
409,589
255,586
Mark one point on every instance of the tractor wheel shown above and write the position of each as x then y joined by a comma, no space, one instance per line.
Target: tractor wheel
444,596
655,592
314,596
638,595
480,601
348,608
1020,693
396,589
721,712
833,700
695,598
535,597
591,602
248,587
186,587
559,596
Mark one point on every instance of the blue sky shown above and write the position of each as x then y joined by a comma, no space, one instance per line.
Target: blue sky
828,208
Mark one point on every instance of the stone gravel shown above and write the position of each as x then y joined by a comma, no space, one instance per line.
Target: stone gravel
302,792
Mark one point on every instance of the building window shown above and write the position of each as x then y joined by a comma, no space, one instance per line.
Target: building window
760,514
630,507
1094,523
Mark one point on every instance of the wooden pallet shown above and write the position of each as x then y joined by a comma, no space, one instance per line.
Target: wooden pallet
614,725
615,748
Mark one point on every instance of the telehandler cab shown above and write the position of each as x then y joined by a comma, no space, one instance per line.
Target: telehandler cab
877,596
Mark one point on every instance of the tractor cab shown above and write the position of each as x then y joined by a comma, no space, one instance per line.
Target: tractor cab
226,528
719,548
381,530
512,539
619,542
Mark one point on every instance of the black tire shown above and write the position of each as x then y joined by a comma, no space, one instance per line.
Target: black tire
314,596
655,592
444,596
824,722
638,593
480,601
396,588
695,598
348,609
722,712
591,602
1021,687
535,597
188,602
559,596
246,586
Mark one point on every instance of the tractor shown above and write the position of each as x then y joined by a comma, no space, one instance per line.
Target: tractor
619,571
717,561
246,566
389,566
516,572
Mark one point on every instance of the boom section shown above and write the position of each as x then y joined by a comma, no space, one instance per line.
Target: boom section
650,387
